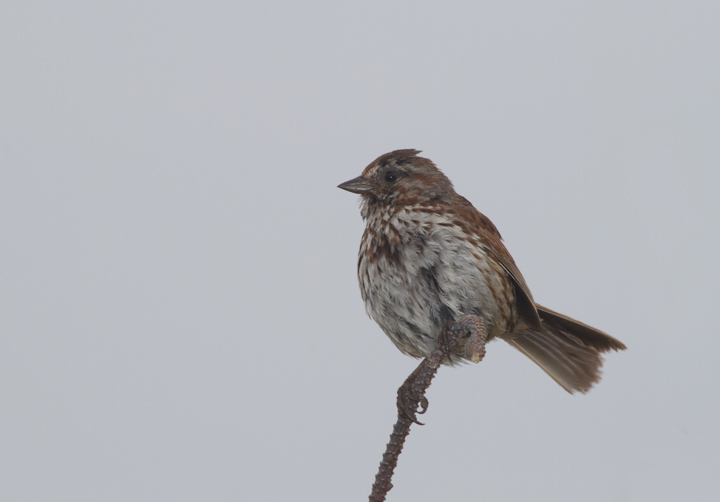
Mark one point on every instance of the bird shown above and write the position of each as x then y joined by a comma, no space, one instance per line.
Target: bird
428,258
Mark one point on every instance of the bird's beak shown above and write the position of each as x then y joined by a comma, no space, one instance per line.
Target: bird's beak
357,185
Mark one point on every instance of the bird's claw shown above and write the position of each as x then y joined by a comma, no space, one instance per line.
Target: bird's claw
408,402
474,326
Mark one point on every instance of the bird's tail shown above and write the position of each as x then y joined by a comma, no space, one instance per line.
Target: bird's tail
566,349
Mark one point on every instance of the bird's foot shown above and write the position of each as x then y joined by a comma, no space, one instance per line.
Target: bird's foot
474,349
411,395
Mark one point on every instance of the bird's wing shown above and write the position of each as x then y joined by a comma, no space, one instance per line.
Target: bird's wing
523,296
494,247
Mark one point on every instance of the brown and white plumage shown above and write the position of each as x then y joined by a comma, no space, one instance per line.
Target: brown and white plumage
428,256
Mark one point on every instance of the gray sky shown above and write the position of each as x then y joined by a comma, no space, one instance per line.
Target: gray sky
179,312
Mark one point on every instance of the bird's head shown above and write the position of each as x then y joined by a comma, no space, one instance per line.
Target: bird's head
400,177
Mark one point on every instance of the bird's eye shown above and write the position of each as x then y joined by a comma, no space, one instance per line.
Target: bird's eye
391,176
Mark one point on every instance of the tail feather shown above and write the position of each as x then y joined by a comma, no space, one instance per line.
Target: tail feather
567,350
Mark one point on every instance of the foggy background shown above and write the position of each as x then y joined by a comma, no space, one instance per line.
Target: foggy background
179,310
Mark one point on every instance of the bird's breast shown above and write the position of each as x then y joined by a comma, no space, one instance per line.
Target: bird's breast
419,269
